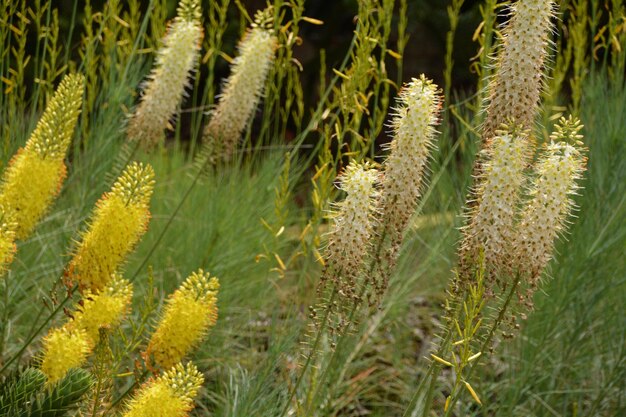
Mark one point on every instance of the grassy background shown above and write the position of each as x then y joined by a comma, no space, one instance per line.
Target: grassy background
569,358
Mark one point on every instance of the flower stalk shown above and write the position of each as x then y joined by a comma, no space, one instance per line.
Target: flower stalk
36,173
189,313
515,90
169,395
241,92
166,87
118,222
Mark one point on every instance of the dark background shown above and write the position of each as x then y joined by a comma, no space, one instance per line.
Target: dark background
427,28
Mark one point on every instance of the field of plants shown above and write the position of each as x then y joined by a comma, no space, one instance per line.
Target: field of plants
304,208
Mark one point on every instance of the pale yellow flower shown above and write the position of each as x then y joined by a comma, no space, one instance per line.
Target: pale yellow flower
545,215
491,229
403,176
241,93
165,89
515,90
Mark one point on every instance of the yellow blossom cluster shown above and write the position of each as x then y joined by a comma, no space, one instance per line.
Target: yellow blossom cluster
189,312
119,220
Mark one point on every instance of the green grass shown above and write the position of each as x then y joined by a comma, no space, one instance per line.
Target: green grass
568,358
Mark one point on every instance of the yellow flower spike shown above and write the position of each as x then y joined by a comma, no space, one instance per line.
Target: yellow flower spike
545,215
189,313
7,240
35,174
104,309
165,89
63,349
242,91
515,89
117,223
170,395
414,131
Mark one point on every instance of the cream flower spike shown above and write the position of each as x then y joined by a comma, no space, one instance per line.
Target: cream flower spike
545,215
241,92
166,87
492,222
404,169
353,224
515,90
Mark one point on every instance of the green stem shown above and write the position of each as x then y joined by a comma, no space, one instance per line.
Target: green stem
350,320
34,334
487,341
5,313
128,390
309,358
431,377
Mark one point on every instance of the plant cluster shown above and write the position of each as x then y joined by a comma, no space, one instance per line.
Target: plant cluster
337,217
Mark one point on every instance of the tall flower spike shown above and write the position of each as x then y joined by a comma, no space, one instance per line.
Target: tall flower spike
35,174
170,395
104,309
515,90
119,220
414,129
492,222
545,215
353,226
188,315
165,89
7,240
242,91
63,349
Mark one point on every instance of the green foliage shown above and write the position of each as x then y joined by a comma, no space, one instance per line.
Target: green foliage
63,397
25,395
18,390
260,224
